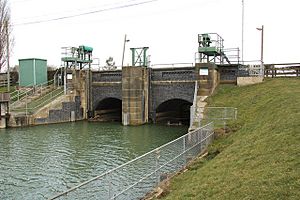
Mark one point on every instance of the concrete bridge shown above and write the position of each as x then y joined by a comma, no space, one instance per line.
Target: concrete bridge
138,95
133,95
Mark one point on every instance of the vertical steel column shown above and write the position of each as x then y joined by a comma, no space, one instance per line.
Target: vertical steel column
7,54
133,57
145,56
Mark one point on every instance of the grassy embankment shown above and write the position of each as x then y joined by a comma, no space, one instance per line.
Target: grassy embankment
260,157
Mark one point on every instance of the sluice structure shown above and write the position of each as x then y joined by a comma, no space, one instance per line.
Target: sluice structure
133,95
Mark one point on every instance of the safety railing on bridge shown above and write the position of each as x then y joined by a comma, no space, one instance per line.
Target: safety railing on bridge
172,65
137,177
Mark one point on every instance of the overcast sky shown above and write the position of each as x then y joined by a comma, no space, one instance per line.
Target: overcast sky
168,27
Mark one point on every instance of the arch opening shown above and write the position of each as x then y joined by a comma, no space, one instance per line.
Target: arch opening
174,112
109,110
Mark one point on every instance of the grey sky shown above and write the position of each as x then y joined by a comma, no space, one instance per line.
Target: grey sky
168,27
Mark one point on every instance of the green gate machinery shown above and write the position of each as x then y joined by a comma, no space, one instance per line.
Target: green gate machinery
139,56
77,57
211,48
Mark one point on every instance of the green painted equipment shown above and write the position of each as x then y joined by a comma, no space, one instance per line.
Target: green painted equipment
211,48
77,56
139,56
32,72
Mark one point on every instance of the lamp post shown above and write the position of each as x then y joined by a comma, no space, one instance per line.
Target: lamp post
262,48
243,18
125,40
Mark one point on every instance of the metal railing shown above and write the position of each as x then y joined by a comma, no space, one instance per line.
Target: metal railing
20,94
139,176
172,65
31,107
219,115
251,68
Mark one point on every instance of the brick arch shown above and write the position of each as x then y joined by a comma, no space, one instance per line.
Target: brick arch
100,93
165,92
162,93
174,111
107,103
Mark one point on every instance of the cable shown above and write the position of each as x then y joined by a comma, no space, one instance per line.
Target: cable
85,13
73,10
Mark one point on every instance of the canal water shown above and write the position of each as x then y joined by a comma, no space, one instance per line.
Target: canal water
39,162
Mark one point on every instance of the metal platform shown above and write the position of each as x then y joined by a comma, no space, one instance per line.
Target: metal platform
211,49
74,56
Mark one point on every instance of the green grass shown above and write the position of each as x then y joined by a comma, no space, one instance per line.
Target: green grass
261,158
4,88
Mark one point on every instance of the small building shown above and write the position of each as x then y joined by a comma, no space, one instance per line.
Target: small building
32,72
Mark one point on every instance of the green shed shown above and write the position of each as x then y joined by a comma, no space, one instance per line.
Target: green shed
32,71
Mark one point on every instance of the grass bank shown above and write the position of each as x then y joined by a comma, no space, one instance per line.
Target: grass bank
260,157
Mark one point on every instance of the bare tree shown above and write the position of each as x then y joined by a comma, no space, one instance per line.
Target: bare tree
6,39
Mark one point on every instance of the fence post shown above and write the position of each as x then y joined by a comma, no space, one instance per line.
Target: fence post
26,103
109,187
235,113
157,166
201,139
224,119
184,149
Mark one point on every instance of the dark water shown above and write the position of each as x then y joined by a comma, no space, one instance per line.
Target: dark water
38,162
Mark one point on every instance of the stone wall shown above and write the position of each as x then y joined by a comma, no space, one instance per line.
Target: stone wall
168,84
63,114
103,91
173,74
107,76
105,84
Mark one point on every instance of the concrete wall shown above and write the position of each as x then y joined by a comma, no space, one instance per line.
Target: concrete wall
242,81
57,111
63,114
207,82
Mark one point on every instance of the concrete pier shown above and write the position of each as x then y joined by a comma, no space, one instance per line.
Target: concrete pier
135,95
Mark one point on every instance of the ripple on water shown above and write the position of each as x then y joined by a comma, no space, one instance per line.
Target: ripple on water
38,162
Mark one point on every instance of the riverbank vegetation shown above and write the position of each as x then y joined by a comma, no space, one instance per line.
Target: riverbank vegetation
259,155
